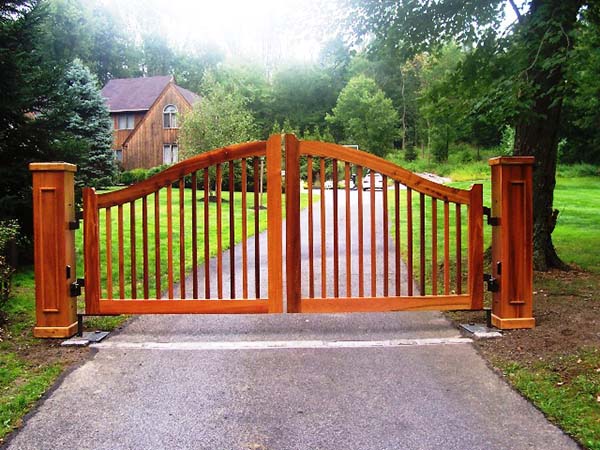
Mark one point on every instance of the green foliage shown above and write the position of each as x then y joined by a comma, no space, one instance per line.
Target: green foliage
366,115
507,143
82,126
9,230
136,175
410,154
221,118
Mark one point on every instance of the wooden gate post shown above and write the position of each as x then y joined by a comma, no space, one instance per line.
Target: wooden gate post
54,249
512,242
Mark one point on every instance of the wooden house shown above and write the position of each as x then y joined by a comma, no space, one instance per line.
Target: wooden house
146,114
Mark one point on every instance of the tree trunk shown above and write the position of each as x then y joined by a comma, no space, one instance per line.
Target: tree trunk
546,35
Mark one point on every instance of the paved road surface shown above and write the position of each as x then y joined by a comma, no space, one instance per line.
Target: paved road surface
331,382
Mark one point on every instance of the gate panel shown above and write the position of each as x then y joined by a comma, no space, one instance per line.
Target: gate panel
145,244
348,232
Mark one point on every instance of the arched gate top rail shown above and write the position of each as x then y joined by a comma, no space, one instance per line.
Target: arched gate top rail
180,170
372,162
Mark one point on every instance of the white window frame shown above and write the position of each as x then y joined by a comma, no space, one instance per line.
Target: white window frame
170,153
170,116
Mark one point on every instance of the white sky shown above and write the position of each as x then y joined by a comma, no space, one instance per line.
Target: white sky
272,30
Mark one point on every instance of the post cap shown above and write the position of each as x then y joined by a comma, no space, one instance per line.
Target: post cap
512,160
52,167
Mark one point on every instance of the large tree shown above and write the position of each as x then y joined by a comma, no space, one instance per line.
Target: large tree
220,118
366,115
81,126
539,44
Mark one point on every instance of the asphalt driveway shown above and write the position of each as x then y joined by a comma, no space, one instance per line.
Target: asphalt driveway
347,381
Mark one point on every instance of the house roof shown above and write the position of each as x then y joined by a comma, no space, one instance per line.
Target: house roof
138,94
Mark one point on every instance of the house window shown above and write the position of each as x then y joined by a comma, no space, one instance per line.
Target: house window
170,116
119,155
126,121
170,153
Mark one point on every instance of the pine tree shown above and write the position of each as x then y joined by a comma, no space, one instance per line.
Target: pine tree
82,124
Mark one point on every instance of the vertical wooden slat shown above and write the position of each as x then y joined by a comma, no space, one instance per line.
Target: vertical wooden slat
157,271
458,251
256,228
409,240
475,237
244,229
92,251
121,252
274,222
206,234
373,237
323,228
397,237
335,224
219,181
170,240
385,239
231,231
361,282
133,250
422,244
194,236
109,281
446,248
292,224
182,238
311,244
145,259
434,244
348,242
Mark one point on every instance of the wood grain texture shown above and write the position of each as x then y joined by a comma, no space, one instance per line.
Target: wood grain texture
143,146
381,304
475,236
181,306
292,224
91,255
274,224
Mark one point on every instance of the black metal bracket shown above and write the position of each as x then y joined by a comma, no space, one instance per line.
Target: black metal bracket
492,283
74,225
493,221
75,287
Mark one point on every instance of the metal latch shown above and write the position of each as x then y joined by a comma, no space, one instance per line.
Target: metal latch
492,283
493,221
75,287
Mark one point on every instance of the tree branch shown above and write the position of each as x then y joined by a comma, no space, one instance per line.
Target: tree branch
516,10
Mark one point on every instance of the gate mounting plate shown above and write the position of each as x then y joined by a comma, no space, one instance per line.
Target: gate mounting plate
493,221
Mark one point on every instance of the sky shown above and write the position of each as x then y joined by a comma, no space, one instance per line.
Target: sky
272,30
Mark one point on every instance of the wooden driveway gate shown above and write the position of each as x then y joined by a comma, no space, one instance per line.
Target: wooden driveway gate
362,234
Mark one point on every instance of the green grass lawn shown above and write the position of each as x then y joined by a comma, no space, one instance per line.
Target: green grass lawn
23,380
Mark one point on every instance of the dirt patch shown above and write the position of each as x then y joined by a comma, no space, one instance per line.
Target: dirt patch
567,313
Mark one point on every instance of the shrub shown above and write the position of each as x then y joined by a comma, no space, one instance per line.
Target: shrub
133,176
410,154
9,230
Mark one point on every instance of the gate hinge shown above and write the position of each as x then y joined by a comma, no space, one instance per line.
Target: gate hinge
493,221
74,225
492,283
75,287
